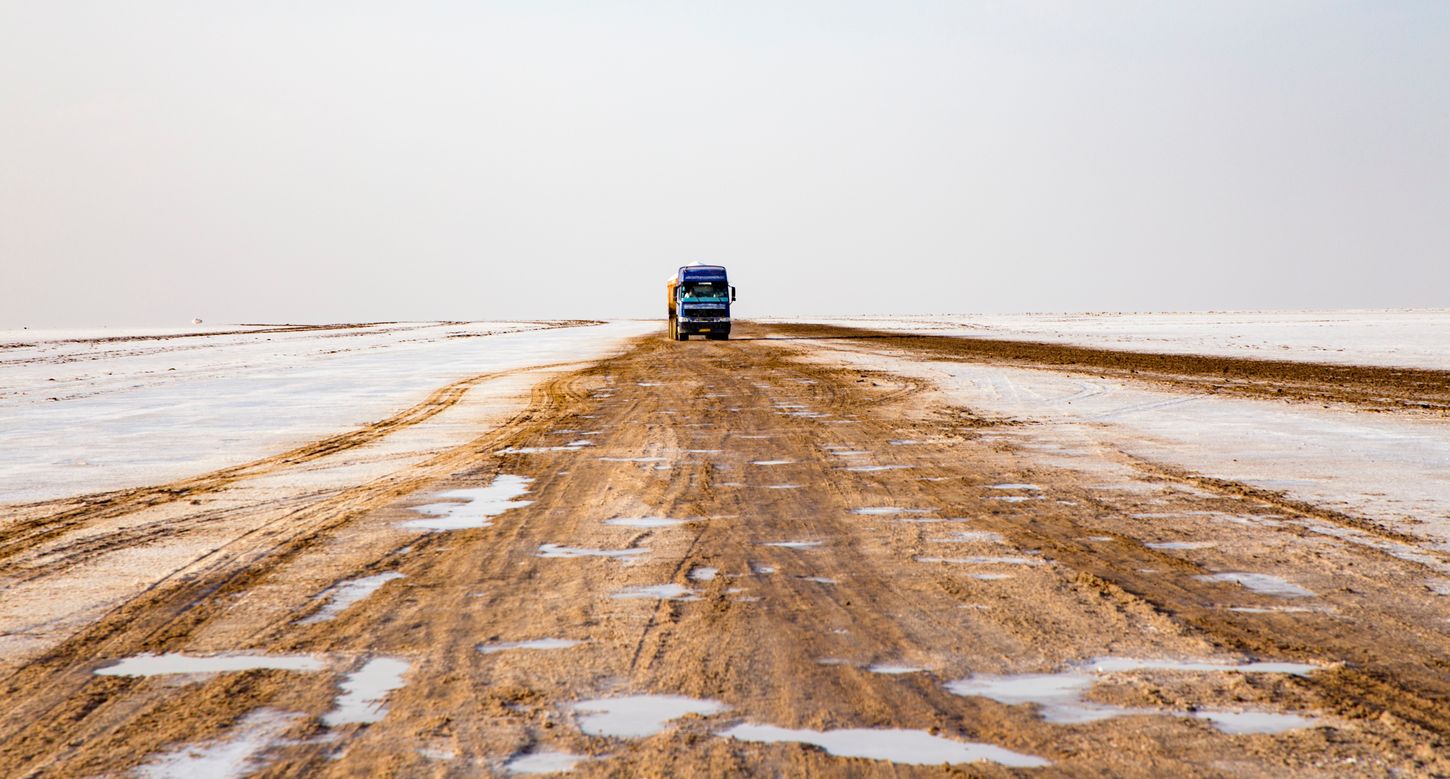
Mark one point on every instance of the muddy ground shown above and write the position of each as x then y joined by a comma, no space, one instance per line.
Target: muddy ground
770,541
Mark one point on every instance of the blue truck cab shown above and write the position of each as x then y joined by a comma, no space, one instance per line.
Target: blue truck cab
699,298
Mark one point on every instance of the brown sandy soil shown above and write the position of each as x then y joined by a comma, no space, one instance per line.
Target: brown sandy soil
1372,388
752,448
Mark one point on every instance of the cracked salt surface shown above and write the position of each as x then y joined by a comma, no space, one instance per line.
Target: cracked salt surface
365,692
638,716
558,551
1059,696
538,643
236,755
1261,583
483,503
909,747
544,763
656,592
346,593
645,522
161,665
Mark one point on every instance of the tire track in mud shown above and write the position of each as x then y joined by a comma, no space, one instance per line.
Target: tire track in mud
59,688
1369,387
760,649
39,522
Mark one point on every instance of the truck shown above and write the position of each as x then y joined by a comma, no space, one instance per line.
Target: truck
699,297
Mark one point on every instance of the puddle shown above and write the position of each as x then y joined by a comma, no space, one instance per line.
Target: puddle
1097,539
544,763
794,544
538,643
908,747
238,753
1246,722
925,520
482,504
557,551
881,511
1016,486
631,459
365,691
886,668
982,560
874,468
772,462
818,579
703,574
638,716
163,665
1279,610
656,592
346,593
782,486
849,452
1262,583
991,577
1013,498
904,442
969,537
645,522
1059,696
1181,545
763,569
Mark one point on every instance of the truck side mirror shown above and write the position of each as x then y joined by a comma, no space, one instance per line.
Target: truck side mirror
732,294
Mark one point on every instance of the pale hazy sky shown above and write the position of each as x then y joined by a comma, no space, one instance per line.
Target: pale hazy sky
324,161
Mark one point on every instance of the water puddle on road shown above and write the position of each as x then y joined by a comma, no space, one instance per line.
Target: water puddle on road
168,664
982,560
645,522
538,643
365,692
990,577
908,747
782,486
886,511
893,670
1247,722
346,593
238,754
1017,486
655,592
1262,583
1013,498
631,459
559,551
481,505
572,446
794,544
772,462
703,574
818,579
639,716
1059,696
544,763
874,468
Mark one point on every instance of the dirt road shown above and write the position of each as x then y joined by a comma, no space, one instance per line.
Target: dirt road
721,559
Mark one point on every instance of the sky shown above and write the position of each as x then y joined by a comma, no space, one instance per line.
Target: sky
267,161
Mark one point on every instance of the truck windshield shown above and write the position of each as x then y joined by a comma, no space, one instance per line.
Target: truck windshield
703,289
